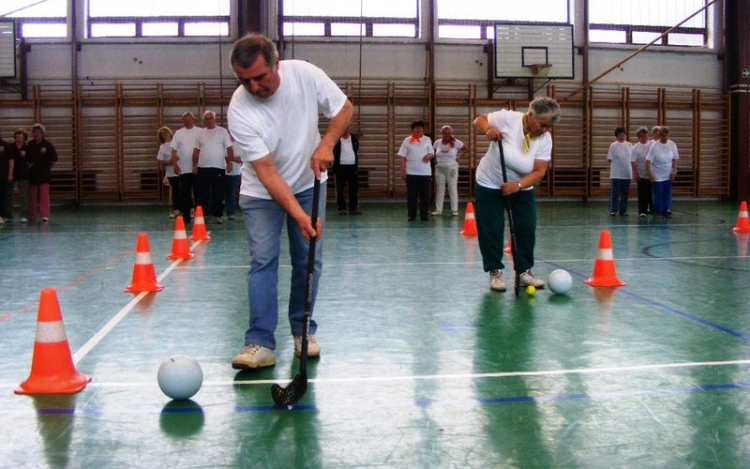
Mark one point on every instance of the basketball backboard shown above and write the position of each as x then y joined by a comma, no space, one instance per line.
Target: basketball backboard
518,46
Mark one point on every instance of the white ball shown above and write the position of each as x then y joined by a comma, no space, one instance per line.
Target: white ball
560,281
180,377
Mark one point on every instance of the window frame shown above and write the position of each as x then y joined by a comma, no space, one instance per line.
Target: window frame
139,21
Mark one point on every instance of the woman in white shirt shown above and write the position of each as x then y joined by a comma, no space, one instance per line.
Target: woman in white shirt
416,152
640,174
661,164
164,156
527,149
447,151
620,173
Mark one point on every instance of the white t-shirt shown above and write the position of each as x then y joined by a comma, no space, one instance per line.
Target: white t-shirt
518,164
184,142
619,158
413,153
213,145
661,156
284,126
447,155
165,154
347,156
638,155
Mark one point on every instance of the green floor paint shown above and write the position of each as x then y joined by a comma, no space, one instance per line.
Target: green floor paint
422,365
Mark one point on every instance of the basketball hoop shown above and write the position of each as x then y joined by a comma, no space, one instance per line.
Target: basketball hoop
540,70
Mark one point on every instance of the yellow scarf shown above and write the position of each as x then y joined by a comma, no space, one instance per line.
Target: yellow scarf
526,134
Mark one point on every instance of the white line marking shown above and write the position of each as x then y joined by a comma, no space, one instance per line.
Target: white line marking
93,341
446,377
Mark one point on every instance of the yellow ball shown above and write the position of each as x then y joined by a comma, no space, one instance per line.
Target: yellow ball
530,290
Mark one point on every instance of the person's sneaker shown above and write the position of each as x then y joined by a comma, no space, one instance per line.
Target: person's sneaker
436,212
174,213
45,219
313,346
2,221
23,220
642,215
455,213
527,278
253,357
230,217
342,212
612,214
192,213
218,220
496,280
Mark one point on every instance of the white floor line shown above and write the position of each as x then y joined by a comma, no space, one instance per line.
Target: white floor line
93,341
446,377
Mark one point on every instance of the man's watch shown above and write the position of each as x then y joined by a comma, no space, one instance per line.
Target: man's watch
520,187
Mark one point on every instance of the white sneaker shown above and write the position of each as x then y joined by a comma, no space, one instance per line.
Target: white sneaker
45,219
496,280
313,346
436,212
174,213
253,357
23,220
2,221
218,220
455,213
527,278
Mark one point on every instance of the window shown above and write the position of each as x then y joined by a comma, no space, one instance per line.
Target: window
642,21
37,19
158,18
473,19
352,18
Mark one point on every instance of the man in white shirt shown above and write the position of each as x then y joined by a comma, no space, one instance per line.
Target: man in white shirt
183,143
345,166
213,150
273,117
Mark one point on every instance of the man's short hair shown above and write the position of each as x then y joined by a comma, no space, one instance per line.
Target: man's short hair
246,50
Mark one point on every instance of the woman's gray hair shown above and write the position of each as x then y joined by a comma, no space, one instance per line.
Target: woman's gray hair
38,127
641,130
446,127
245,51
543,105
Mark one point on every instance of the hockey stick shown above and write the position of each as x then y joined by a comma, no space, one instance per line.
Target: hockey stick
511,226
297,388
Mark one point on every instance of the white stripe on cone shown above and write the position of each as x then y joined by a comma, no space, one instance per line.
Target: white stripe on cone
605,255
180,234
143,258
470,216
50,332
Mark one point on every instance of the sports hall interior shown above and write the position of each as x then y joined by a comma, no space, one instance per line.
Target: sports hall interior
422,365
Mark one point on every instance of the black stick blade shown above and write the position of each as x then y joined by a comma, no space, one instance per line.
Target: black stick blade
292,393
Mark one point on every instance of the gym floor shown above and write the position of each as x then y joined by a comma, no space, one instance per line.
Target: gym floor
422,365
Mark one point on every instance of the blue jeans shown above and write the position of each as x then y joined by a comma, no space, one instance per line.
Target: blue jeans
264,220
233,182
662,196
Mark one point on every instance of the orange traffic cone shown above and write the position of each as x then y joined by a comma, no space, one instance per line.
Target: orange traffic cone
470,224
199,226
180,247
742,225
604,268
52,368
144,276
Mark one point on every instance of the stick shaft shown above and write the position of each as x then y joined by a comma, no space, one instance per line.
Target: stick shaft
310,278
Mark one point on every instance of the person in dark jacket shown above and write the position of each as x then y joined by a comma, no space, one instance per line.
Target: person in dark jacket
345,165
41,156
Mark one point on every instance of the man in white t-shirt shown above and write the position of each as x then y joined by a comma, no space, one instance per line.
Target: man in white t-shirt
183,144
213,150
273,117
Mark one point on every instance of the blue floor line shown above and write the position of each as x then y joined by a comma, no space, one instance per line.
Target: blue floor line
664,307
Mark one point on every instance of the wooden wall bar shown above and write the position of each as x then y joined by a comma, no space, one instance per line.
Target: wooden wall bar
106,135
